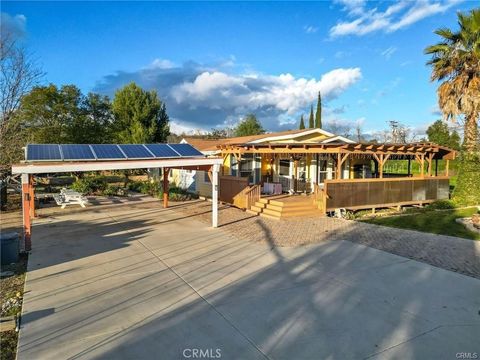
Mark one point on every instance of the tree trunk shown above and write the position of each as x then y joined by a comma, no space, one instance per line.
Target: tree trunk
470,141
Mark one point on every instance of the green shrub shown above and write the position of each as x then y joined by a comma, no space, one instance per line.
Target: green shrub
114,190
90,185
155,189
441,205
467,189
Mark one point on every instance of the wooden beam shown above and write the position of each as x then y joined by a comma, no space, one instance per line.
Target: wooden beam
339,166
344,158
381,165
27,224
32,196
165,187
429,161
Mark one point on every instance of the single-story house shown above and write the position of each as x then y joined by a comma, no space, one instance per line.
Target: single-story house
306,161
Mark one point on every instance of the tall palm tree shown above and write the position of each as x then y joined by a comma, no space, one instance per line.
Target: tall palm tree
455,62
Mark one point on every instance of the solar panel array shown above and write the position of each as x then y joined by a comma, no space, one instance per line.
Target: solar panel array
100,152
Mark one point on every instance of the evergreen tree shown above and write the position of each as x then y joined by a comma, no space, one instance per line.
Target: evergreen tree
439,133
311,123
139,116
249,126
318,114
302,123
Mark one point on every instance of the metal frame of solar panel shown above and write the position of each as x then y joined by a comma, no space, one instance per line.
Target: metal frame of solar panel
108,152
162,150
185,150
43,152
103,152
136,151
80,152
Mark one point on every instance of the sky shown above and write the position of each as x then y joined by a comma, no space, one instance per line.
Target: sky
214,62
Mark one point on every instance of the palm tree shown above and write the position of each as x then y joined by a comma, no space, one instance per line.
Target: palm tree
455,62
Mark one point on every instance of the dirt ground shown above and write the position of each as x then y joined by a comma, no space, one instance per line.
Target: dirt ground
12,287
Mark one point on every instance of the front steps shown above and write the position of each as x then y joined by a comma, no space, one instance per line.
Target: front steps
286,206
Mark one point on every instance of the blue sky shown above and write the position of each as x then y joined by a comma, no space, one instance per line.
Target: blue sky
214,62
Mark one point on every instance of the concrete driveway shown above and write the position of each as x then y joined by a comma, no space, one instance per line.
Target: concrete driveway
130,282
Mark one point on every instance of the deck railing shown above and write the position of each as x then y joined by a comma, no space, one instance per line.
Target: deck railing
252,195
376,193
319,198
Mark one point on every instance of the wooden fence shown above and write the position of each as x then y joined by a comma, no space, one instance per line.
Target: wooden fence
232,190
375,193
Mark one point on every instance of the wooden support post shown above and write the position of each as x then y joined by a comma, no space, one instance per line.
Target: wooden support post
422,165
429,161
339,166
165,187
32,197
27,224
446,167
436,167
295,175
409,167
215,196
238,157
381,166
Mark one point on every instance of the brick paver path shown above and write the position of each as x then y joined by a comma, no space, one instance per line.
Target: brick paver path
450,253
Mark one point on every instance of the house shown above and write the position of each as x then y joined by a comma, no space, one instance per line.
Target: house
307,170
311,160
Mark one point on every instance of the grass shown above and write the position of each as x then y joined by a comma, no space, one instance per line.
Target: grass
436,222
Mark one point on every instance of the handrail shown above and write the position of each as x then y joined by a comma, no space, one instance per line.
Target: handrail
320,197
252,195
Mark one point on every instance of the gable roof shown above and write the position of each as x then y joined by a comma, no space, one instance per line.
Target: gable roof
203,145
211,145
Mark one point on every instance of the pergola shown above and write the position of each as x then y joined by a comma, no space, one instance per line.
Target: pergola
27,170
423,153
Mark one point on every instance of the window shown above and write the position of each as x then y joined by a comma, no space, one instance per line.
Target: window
247,167
284,167
206,178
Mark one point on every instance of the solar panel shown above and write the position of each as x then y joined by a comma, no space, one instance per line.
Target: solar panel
162,150
136,151
86,152
107,152
40,152
77,152
185,150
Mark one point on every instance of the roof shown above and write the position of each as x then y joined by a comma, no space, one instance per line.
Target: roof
410,150
211,145
203,145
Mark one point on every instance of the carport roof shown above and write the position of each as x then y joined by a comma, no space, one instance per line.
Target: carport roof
73,166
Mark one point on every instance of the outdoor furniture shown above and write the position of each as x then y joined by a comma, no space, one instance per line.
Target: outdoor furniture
272,188
70,197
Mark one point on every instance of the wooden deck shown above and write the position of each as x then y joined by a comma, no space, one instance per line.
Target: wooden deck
286,206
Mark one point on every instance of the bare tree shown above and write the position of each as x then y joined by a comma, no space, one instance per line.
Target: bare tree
18,74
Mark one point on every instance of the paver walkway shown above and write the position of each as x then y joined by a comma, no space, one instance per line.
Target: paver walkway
450,253
141,282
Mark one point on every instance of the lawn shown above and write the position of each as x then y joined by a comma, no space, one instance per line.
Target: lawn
437,222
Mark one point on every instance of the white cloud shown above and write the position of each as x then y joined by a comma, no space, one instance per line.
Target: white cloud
395,17
180,127
12,25
161,64
284,92
420,10
353,7
310,29
387,53
204,96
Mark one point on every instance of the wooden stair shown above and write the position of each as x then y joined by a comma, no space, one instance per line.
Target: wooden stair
286,206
